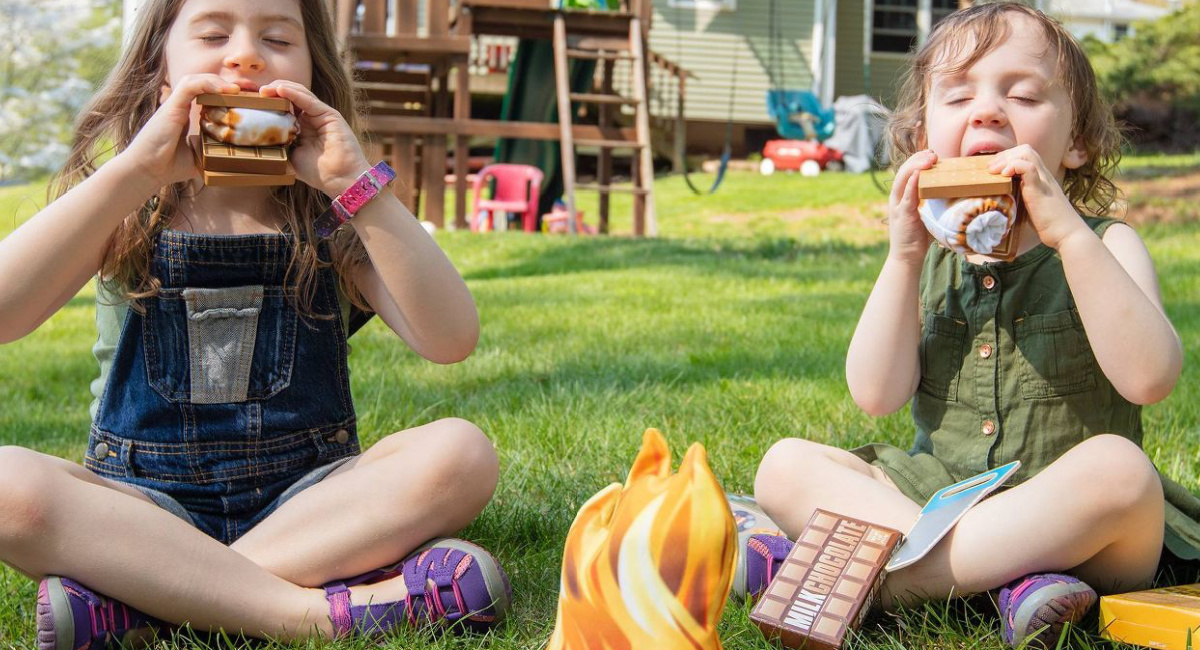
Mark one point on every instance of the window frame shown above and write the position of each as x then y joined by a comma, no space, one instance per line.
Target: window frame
924,14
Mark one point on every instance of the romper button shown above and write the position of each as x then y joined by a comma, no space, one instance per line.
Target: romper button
989,427
341,436
988,282
101,450
985,350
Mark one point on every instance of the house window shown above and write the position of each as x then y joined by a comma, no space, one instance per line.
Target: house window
939,9
719,5
1120,30
899,25
894,26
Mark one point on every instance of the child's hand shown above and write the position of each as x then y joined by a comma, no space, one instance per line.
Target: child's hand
327,155
909,239
160,149
1049,210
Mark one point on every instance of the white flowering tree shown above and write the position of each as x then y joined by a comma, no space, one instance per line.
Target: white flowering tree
53,54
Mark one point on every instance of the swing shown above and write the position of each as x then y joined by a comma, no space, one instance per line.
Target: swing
798,114
727,151
726,154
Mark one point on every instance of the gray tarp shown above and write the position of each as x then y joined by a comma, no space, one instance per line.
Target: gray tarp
861,123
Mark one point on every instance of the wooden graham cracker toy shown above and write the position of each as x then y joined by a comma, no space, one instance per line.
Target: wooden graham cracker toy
244,140
969,209
828,582
1156,618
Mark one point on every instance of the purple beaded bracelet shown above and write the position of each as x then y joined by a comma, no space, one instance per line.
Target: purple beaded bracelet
346,205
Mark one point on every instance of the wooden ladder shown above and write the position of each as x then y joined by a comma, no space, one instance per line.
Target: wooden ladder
607,52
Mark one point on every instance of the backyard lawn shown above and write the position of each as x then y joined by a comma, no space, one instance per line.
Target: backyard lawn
729,329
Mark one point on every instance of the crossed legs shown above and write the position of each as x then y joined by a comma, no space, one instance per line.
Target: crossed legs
57,518
1097,512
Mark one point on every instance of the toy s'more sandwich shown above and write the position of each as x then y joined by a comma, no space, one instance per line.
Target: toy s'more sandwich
244,139
969,209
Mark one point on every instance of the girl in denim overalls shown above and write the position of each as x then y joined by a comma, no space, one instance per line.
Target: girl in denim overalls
223,484
1046,359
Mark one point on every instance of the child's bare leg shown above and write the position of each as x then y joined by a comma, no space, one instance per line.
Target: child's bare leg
1097,511
798,476
425,482
114,540
62,519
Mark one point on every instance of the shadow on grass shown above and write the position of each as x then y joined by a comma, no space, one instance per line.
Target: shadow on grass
674,355
599,254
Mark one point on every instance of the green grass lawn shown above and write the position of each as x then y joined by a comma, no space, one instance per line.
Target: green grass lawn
730,329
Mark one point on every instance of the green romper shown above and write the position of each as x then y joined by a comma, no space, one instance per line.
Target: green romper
1007,374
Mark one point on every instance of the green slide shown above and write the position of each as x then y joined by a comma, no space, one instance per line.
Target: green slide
531,98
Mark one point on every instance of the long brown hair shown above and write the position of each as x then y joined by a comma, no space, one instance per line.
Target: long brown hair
981,28
127,100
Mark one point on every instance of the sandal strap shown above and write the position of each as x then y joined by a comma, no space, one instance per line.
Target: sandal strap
379,618
416,571
431,577
112,617
338,595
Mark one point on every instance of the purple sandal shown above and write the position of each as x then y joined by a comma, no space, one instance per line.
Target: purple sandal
72,617
762,548
1037,607
758,561
449,581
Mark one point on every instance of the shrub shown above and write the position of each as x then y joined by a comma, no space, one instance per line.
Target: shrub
1153,79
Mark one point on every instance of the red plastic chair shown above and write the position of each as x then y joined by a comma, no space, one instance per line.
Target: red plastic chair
517,190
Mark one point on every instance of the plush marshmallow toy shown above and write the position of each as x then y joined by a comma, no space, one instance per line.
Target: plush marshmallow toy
248,127
970,225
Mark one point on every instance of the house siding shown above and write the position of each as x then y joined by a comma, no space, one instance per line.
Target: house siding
708,44
885,70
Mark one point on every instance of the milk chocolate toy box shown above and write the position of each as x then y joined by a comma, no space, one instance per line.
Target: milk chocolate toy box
828,582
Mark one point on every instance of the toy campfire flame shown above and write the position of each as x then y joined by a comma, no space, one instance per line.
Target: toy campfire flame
648,565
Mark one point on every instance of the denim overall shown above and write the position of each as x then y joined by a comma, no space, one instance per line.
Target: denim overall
222,400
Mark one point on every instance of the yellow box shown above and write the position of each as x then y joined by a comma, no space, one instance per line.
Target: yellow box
1157,618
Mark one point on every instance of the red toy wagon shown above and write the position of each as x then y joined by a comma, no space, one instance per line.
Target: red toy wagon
806,156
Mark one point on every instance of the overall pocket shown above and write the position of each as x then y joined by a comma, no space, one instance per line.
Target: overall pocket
942,342
1053,355
223,345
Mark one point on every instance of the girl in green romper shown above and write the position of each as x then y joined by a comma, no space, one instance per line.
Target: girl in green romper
1046,359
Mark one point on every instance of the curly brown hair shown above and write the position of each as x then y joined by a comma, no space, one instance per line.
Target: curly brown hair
127,100
966,36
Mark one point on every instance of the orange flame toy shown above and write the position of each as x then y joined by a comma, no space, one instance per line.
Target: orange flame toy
649,564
